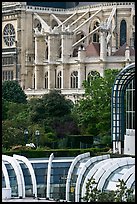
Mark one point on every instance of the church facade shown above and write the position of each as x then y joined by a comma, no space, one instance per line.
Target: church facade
47,48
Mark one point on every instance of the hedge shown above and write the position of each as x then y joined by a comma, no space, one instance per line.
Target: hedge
34,153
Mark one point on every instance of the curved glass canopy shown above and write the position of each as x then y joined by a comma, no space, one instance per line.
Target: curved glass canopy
121,83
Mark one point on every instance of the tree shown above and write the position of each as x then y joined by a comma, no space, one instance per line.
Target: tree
56,104
10,135
121,194
4,109
93,112
51,115
12,91
14,124
53,112
50,105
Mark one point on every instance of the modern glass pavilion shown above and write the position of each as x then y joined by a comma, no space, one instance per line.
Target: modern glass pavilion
123,111
63,178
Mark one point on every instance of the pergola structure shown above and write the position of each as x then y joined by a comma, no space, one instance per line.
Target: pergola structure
124,78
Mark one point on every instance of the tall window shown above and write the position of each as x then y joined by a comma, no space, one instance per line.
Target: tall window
130,105
46,80
74,79
7,75
59,80
46,53
123,32
96,34
92,75
7,61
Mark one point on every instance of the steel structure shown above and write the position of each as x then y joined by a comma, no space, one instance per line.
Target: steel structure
118,106
63,178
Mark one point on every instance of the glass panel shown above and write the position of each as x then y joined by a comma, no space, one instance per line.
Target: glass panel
111,186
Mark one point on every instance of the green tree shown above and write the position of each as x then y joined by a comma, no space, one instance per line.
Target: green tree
50,105
53,110
122,194
4,109
56,104
12,91
10,135
51,115
16,122
93,112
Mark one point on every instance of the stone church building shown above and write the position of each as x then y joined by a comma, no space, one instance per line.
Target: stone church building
45,47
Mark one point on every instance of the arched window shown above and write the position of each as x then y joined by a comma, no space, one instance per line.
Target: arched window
46,80
96,35
59,80
54,24
92,75
79,36
75,51
74,79
123,32
37,24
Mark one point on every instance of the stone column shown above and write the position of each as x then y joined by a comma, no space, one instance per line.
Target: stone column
103,45
40,46
81,74
66,44
127,53
65,76
51,76
53,47
36,77
39,57
21,48
127,56
81,66
81,54
29,77
109,50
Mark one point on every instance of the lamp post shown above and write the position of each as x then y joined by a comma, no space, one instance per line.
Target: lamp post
26,136
37,134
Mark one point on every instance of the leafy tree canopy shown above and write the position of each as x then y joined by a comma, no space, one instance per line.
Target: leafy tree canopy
12,91
93,113
56,104
49,106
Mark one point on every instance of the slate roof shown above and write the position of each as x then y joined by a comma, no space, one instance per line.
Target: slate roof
93,49
122,49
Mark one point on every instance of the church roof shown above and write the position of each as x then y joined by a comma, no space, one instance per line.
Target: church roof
122,49
93,50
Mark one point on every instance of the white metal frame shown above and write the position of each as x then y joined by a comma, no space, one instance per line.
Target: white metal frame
19,174
31,170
